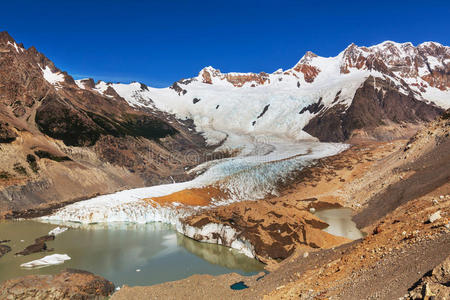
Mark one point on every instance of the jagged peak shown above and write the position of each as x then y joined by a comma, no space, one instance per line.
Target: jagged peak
309,55
5,37
85,83
351,46
350,49
209,69
206,74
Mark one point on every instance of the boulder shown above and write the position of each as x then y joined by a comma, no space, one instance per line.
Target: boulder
434,285
34,248
45,238
7,135
435,217
69,284
4,249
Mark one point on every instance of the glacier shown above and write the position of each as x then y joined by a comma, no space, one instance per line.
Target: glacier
260,173
252,175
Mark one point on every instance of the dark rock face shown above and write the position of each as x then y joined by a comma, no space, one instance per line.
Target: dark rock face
327,126
178,89
83,128
313,108
264,111
375,103
69,284
89,83
7,135
63,122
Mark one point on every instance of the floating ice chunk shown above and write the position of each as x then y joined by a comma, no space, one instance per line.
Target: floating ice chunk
57,230
54,259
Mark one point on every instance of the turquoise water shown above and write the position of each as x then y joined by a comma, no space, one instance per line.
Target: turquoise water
132,254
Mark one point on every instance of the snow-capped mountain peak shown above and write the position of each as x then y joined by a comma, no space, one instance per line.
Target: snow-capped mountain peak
283,103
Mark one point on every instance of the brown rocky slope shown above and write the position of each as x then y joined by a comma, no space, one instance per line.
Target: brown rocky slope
60,143
378,111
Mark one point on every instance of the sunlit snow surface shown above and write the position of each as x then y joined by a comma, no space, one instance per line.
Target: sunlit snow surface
249,177
51,77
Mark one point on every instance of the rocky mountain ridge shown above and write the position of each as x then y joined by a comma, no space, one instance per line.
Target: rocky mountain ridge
61,143
325,98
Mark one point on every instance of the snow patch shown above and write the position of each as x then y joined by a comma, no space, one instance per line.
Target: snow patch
53,78
18,49
80,83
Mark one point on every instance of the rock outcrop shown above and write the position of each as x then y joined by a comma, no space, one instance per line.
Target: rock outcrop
4,249
69,284
209,74
38,246
434,285
7,135
263,229
378,110
34,248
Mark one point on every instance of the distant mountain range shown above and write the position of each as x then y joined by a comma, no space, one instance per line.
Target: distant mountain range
379,92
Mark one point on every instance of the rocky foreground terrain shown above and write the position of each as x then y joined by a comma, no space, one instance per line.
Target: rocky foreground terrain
69,284
400,192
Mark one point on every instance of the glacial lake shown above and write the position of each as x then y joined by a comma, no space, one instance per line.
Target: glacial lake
340,222
132,254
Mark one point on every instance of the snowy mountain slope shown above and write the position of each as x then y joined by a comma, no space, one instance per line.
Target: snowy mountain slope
283,103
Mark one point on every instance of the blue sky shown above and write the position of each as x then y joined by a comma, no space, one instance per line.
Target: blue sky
159,42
